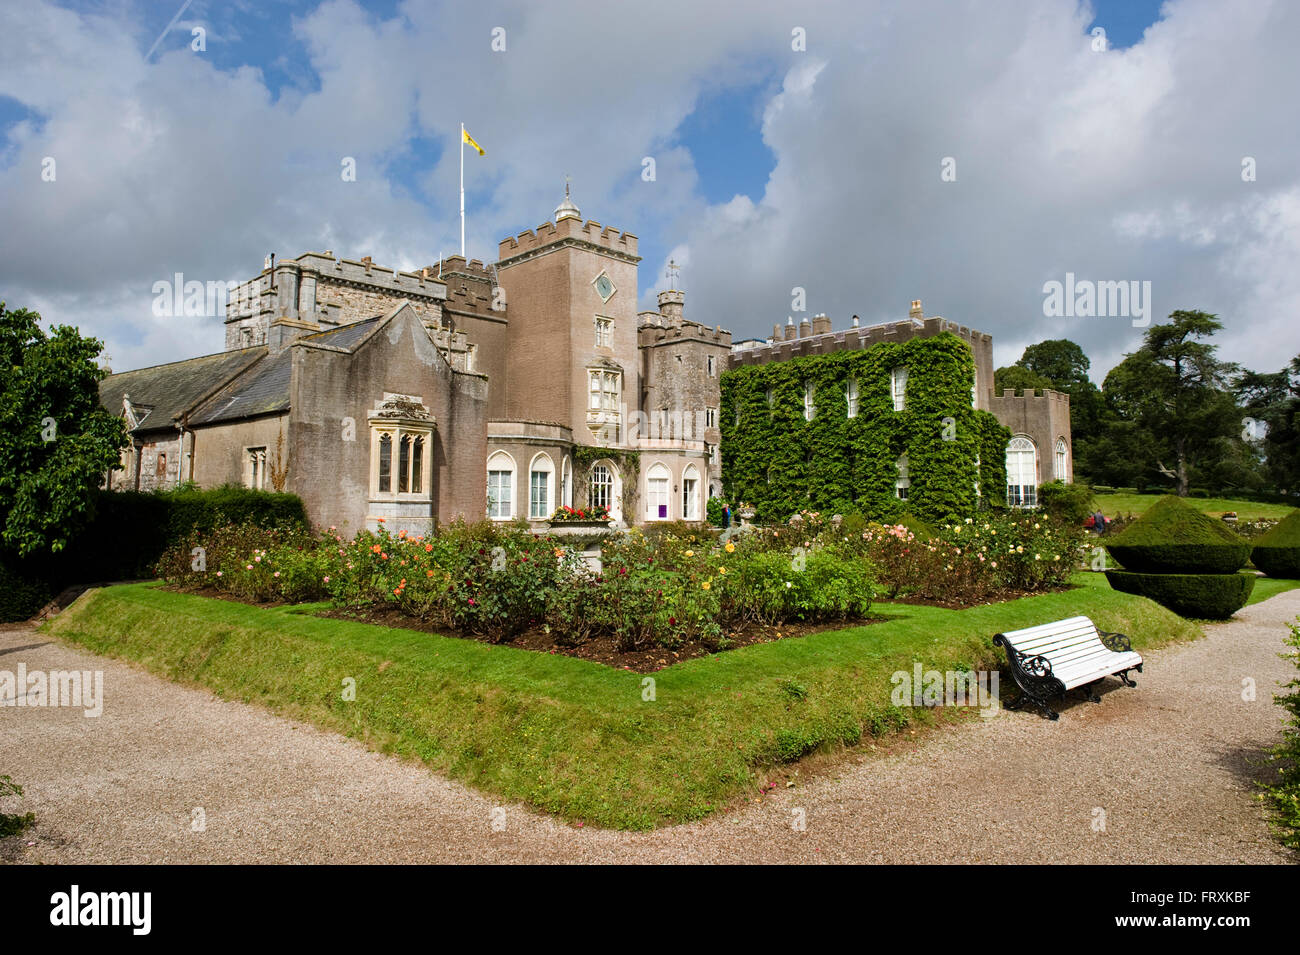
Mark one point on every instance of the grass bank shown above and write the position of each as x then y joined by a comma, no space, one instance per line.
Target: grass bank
564,735
1113,505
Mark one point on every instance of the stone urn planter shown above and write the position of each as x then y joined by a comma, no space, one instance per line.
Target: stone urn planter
746,515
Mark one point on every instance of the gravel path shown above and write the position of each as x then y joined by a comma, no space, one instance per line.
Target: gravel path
1170,764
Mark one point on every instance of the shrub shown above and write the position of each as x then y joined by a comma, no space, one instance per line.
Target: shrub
1285,792
1174,537
919,528
22,592
1067,503
715,511
1277,553
1208,596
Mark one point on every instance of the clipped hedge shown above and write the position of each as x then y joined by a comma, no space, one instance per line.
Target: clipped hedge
128,531
1207,596
781,463
1174,537
1277,553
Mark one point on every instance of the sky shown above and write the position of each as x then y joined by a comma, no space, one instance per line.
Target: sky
967,154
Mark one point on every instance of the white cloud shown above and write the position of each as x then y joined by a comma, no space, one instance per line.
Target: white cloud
1120,165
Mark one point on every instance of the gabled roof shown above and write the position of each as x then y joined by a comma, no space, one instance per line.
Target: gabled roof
169,391
264,388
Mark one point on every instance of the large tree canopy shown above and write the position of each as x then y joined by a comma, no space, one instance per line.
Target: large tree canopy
56,441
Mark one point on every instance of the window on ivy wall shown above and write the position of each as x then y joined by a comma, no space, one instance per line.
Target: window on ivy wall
851,397
904,481
809,405
898,387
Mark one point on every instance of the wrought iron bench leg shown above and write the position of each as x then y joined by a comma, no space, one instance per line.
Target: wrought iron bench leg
1093,695
1123,675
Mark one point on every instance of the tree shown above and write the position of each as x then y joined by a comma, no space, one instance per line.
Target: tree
1060,361
1174,395
1017,378
56,441
1270,404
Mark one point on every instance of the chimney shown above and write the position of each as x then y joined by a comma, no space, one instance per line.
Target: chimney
671,302
805,327
855,321
776,332
821,324
916,312
789,328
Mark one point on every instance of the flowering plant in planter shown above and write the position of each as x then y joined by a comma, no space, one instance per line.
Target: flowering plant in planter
594,514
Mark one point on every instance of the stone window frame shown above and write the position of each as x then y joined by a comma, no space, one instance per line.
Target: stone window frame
604,326
691,474
657,473
255,467
399,433
500,457
548,470
1060,460
903,483
1021,494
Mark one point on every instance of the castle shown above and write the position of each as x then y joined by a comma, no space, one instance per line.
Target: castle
470,390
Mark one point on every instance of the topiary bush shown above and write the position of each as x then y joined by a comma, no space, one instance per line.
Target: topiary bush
1207,596
1277,553
1174,537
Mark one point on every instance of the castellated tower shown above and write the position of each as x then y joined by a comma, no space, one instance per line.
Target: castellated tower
571,287
681,369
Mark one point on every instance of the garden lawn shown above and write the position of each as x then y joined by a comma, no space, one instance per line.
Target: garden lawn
1266,587
566,735
1113,505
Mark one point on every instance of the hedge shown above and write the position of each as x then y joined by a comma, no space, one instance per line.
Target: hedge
127,532
1207,596
1277,553
1174,537
775,460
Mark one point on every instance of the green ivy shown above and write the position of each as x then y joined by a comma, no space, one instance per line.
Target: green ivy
777,461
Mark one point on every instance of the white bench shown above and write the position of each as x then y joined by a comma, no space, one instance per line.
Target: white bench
1053,658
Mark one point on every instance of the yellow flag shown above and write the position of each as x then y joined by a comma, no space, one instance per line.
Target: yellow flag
470,139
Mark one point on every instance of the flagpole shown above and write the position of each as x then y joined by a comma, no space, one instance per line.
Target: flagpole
462,190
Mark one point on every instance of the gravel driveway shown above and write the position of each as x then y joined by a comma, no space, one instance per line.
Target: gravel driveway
1167,767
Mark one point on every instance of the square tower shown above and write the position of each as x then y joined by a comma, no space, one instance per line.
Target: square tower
571,288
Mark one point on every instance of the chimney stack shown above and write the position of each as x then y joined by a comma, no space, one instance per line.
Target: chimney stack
805,327
789,328
916,312
821,324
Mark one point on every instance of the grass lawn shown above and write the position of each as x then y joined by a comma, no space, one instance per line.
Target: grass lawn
1113,505
566,735
1266,587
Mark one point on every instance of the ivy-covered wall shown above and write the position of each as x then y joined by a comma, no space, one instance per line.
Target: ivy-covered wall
775,460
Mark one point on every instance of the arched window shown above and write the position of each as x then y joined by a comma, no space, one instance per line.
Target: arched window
541,487
1060,462
690,494
904,480
566,483
1022,472
657,482
501,487
600,489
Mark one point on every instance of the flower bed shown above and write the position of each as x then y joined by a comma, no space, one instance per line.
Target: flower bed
670,590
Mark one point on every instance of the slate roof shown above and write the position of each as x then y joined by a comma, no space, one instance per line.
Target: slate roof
226,386
264,388
167,391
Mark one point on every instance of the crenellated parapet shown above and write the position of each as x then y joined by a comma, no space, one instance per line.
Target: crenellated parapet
589,234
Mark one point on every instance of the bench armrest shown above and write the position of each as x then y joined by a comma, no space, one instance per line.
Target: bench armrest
1115,642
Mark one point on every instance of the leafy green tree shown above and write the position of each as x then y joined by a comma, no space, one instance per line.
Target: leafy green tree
56,441
1174,399
1270,404
1018,378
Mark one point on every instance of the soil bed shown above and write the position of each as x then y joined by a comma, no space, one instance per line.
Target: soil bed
604,649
